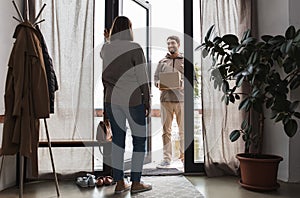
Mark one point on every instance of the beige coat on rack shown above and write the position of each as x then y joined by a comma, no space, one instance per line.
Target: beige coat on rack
26,96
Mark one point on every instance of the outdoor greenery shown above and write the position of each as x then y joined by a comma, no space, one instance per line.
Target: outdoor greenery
258,74
197,91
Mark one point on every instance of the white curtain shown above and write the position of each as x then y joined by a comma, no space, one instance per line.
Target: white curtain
68,31
229,16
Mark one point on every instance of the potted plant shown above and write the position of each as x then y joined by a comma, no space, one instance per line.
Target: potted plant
270,69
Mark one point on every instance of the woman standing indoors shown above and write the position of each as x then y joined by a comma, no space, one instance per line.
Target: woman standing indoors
126,97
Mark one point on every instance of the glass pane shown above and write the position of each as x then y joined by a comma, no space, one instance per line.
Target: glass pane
98,159
98,42
138,16
67,160
98,86
198,136
67,31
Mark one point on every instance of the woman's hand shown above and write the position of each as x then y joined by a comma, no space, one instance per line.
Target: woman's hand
106,34
147,110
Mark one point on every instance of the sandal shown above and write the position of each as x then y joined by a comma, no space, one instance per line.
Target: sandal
81,181
108,181
85,182
100,181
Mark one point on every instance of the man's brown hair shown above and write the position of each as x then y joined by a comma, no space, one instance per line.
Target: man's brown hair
176,38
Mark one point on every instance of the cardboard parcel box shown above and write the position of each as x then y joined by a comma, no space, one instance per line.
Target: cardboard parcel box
170,80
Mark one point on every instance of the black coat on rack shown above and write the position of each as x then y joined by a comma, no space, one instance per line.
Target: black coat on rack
51,77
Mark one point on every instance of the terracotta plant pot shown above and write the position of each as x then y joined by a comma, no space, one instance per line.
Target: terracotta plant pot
259,172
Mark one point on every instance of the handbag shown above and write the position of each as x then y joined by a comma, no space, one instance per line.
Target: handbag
104,133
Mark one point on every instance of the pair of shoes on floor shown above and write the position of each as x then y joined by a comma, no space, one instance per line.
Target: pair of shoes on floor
164,164
136,187
104,181
85,182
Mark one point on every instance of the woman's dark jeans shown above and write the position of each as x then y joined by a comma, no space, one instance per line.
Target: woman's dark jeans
135,116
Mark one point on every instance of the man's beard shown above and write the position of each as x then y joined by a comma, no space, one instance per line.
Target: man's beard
172,51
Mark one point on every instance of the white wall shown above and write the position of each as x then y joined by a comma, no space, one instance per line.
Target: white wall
294,169
8,24
294,13
274,17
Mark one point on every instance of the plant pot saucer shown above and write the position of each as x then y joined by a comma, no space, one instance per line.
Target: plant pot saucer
259,188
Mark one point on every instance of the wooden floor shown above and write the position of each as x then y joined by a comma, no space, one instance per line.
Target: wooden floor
209,187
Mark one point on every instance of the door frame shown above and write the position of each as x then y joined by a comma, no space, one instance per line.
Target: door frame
190,167
112,8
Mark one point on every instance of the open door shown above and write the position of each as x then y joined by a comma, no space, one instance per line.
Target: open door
140,19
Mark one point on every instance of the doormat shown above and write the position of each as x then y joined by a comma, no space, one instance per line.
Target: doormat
169,187
161,171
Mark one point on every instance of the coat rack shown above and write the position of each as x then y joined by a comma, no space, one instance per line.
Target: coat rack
35,22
